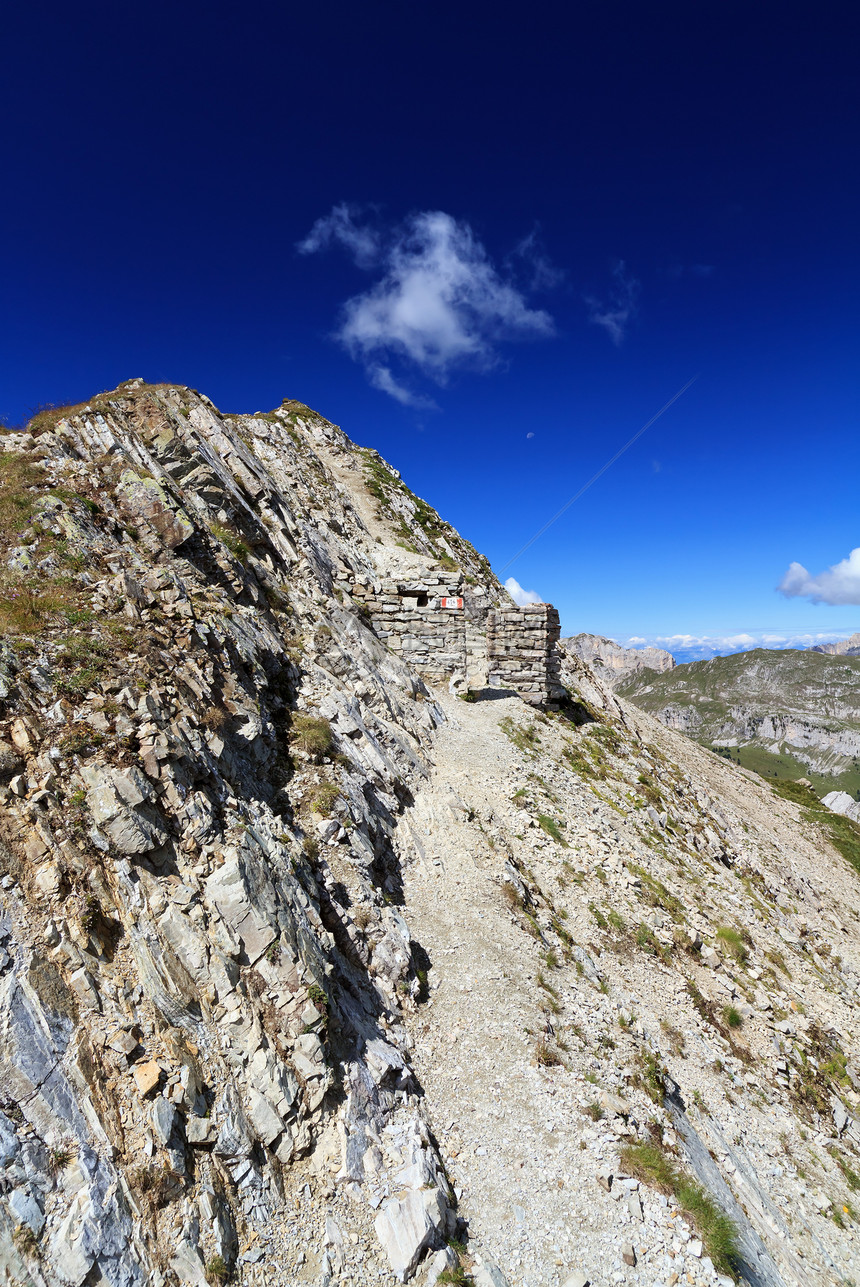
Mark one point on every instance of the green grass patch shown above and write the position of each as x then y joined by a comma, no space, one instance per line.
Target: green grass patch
783,768
456,1277
325,799
236,544
843,834
797,793
551,827
734,942
313,734
649,1164
650,790
524,739
586,758
29,604
655,893
852,1179
600,919
644,939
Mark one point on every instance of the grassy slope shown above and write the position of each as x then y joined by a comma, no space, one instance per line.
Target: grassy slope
813,687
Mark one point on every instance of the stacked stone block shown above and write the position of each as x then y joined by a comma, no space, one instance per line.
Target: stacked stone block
442,632
523,653
410,618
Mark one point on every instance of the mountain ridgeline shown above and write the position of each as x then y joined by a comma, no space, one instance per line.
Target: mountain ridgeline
786,713
352,932
614,663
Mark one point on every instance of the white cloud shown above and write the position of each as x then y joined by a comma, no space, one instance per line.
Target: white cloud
840,584
692,647
439,305
519,595
615,313
381,378
340,227
738,642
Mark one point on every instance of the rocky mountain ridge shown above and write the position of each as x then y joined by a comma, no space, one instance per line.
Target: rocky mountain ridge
841,648
613,663
313,972
790,712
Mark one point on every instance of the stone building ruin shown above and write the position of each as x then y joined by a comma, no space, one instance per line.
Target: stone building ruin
522,652
449,631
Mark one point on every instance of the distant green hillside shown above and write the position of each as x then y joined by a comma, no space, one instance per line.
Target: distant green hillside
785,714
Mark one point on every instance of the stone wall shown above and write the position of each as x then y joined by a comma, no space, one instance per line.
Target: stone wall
423,621
522,650
444,629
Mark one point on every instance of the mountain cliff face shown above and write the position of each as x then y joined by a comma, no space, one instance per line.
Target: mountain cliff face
786,712
313,972
612,663
841,648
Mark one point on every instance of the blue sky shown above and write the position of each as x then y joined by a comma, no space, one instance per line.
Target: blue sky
491,243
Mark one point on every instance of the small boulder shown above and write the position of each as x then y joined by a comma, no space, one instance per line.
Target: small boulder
404,1228
199,1130
489,1275
26,1210
147,1077
614,1105
437,1264
840,1116
263,1118
84,988
163,1119
10,761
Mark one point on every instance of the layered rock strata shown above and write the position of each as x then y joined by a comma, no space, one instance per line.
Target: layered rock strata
312,973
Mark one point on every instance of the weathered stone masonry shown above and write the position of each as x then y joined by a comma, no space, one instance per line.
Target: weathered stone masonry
446,629
522,651
423,621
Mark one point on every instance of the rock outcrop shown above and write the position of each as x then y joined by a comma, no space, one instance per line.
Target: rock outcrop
612,662
842,803
840,648
312,971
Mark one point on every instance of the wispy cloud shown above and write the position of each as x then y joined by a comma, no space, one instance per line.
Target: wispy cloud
840,584
543,273
519,595
381,378
340,227
615,313
729,643
439,305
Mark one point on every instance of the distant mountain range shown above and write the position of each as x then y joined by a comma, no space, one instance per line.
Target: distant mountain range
842,647
786,713
611,662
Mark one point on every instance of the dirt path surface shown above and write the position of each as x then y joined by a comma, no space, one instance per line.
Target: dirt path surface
520,1147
